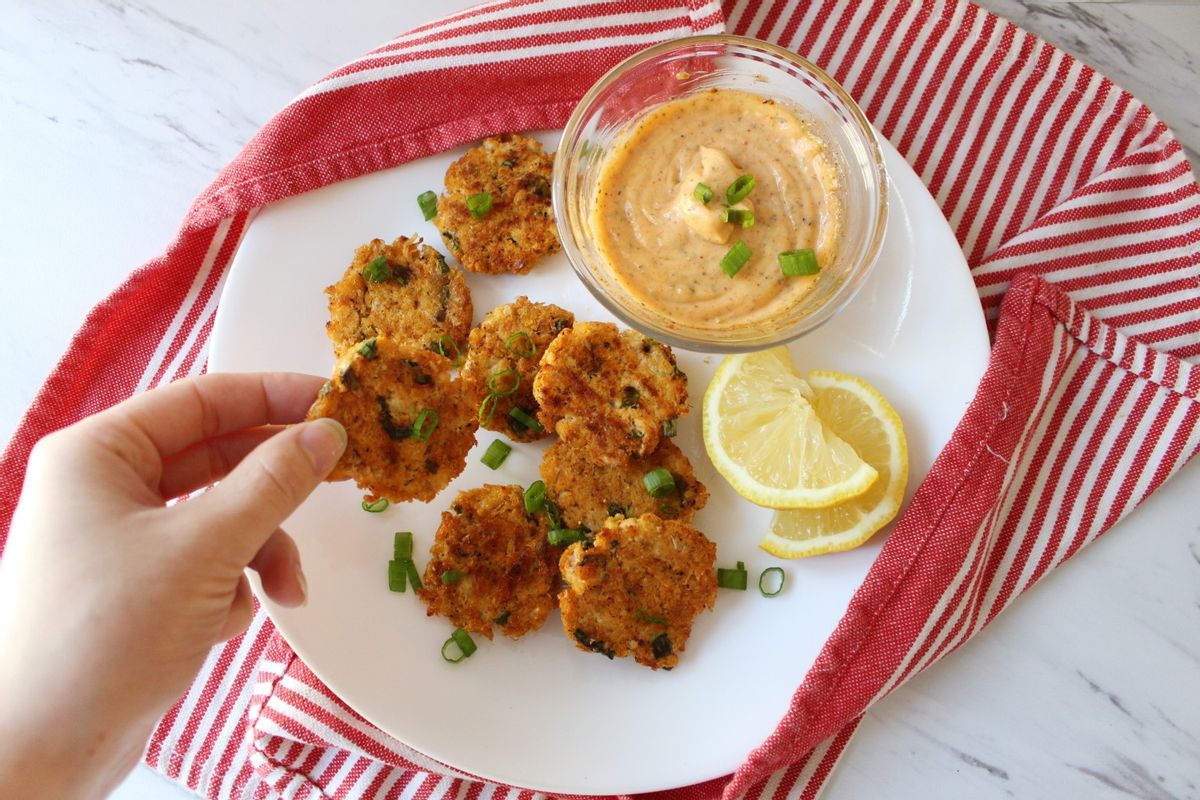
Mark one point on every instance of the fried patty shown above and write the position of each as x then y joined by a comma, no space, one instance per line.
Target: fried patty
409,423
588,493
518,229
637,589
498,567
610,392
404,291
506,349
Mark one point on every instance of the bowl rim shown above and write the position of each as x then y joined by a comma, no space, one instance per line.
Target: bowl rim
840,296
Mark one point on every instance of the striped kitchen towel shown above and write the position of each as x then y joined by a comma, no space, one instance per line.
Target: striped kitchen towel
1080,219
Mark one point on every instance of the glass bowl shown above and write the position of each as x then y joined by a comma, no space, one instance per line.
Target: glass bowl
682,67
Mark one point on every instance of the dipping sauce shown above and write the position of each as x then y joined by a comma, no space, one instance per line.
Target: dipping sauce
665,246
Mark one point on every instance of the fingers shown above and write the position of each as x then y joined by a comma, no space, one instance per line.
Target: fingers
177,415
243,510
278,566
209,461
241,610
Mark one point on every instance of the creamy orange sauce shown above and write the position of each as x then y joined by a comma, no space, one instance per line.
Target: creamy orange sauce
665,246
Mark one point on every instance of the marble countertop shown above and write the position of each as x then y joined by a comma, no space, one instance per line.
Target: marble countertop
117,113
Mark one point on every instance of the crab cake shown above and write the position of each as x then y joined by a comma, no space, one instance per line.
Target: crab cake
404,291
409,423
502,360
491,564
612,393
588,493
637,588
506,179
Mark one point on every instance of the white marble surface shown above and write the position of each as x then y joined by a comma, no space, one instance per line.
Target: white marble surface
114,114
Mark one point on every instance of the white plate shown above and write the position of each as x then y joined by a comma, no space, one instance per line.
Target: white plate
539,713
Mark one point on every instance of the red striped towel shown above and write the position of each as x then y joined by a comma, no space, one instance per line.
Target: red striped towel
1081,222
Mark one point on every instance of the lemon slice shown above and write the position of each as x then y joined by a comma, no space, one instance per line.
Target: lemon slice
765,438
862,417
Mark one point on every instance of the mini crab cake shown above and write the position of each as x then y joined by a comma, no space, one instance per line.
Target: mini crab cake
409,424
614,393
588,493
404,291
502,361
637,588
491,564
495,214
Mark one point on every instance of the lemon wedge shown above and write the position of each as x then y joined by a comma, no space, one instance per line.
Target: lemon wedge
764,436
863,418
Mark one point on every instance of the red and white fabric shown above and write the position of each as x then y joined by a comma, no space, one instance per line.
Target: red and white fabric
1080,219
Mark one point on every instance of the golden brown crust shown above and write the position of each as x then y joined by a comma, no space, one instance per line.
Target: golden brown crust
423,300
588,493
609,391
638,588
509,573
488,355
519,228
378,391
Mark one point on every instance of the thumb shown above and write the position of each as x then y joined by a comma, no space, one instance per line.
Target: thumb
261,492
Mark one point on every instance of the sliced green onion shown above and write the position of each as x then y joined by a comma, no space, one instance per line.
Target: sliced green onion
615,509
732,578
553,514
375,506
502,618
561,537
495,454
670,427
630,397
479,204
428,203
661,646
460,645
642,616
522,416
446,346
451,576
738,216
423,428
378,270
521,345
495,380
397,574
765,584
736,258
535,497
413,576
659,482
367,349
703,192
799,262
739,190
487,409
402,546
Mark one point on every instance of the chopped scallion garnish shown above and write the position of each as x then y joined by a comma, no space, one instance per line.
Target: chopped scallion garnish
378,270
535,497
447,347
561,537
703,192
413,576
670,427
629,397
376,505
367,349
487,409
428,203
402,546
426,421
772,585
504,382
739,190
553,514
799,262
522,416
521,345
732,578
738,216
495,454
451,576
398,575
653,619
479,204
659,482
736,258
460,645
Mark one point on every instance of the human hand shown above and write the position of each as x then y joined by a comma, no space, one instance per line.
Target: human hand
110,599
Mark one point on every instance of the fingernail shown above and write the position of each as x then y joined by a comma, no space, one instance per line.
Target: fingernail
302,582
324,440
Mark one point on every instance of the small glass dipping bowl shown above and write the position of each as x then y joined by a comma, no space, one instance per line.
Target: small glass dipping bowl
686,66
